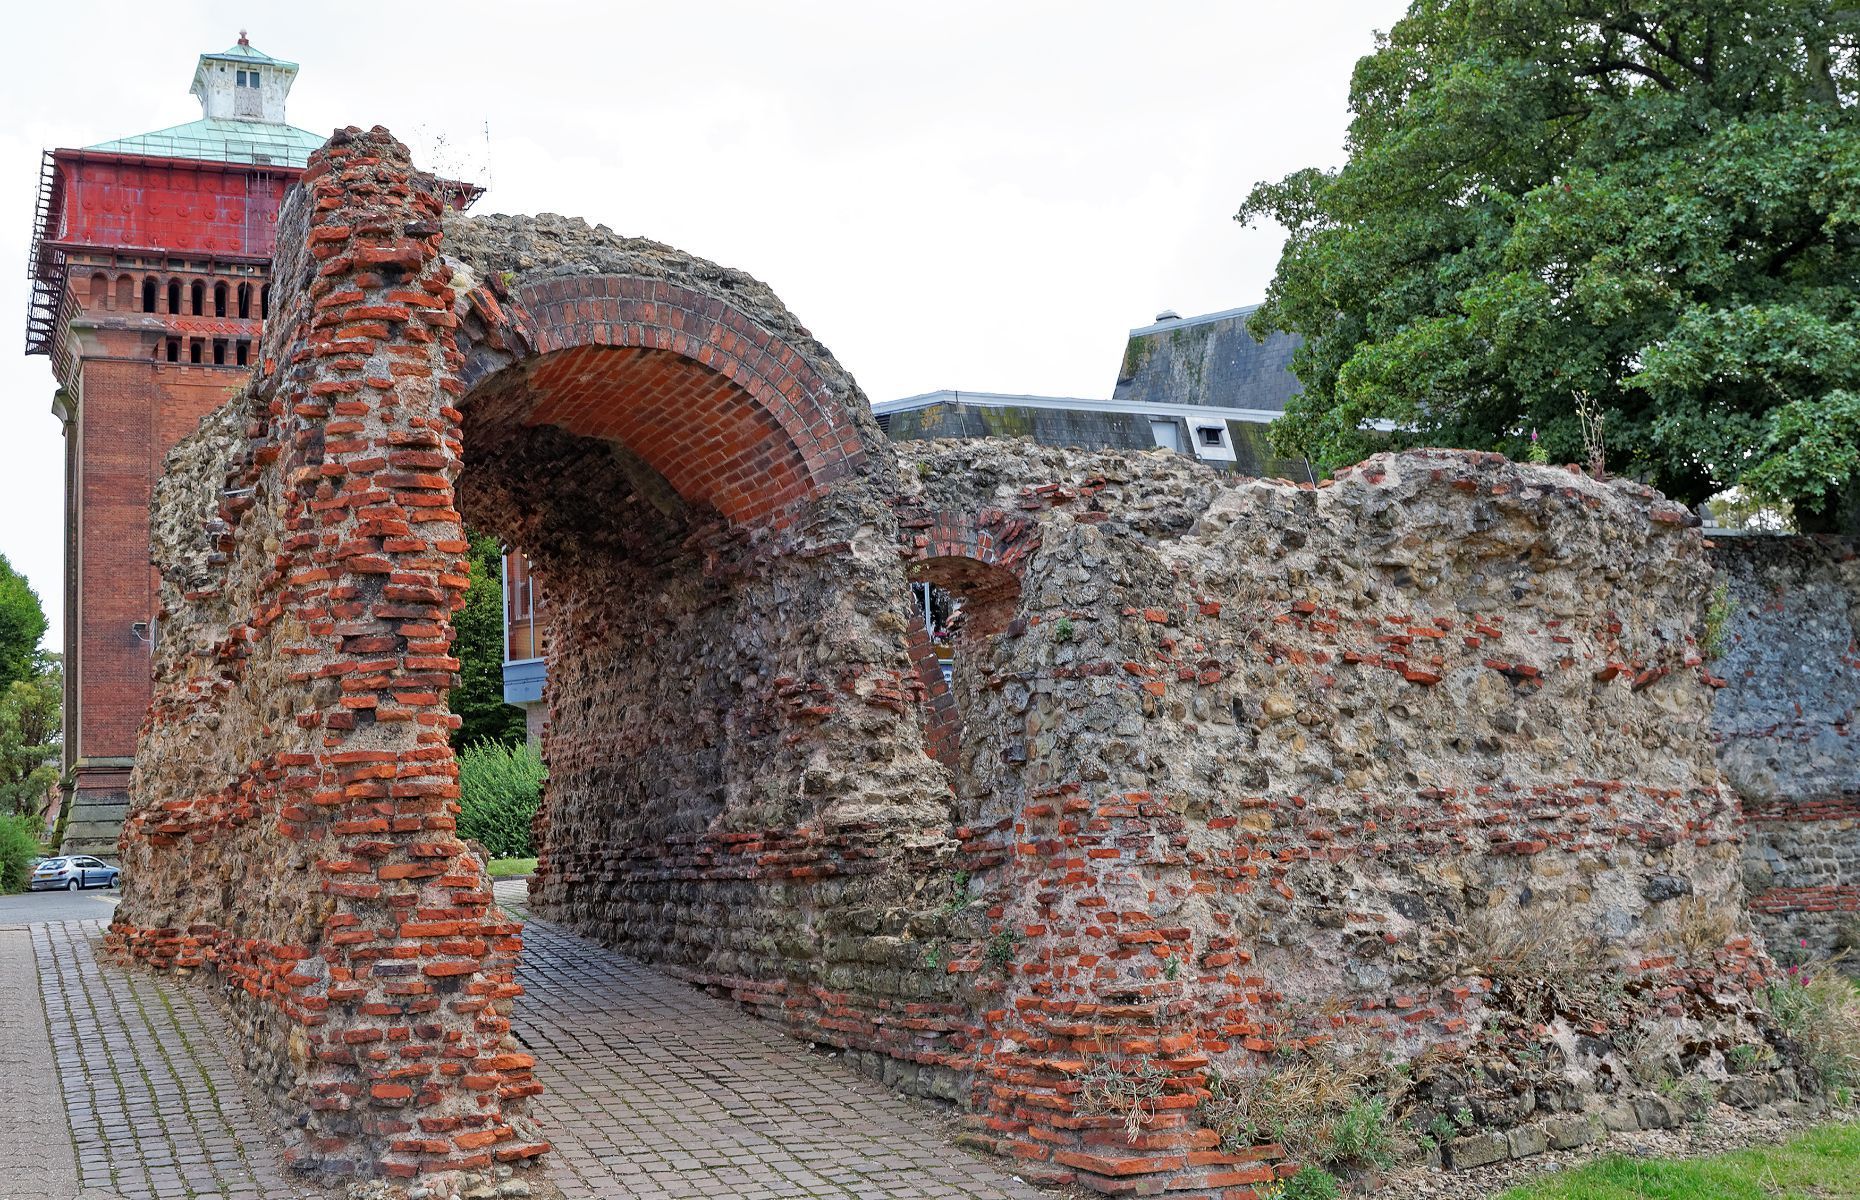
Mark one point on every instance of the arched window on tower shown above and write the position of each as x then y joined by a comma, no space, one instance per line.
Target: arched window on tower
125,293
198,299
99,298
149,288
174,296
174,350
245,302
264,303
219,299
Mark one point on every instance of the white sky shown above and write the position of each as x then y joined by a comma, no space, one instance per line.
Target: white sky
982,196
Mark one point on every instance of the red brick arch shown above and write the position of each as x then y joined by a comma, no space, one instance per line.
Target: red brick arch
732,414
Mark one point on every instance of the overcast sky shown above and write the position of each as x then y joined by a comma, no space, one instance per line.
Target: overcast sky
983,196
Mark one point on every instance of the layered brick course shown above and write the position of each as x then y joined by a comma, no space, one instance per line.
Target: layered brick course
1227,767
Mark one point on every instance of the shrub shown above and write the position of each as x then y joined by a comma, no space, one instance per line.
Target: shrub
19,845
1320,1110
500,788
1821,1014
1308,1183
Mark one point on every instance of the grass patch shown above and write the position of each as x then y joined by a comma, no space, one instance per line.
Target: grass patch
1821,1164
512,868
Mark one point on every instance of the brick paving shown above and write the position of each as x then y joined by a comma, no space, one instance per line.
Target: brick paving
657,1090
157,1108
36,1155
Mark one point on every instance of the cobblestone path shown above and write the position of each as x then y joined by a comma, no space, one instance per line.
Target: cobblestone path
36,1157
654,1089
155,1104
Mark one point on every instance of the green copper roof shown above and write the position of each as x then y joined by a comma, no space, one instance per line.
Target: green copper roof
248,53
218,140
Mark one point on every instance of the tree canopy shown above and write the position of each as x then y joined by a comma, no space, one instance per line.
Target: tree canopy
1645,215
31,728
22,624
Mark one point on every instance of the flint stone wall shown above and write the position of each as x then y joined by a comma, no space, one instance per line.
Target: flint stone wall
1784,721
1381,763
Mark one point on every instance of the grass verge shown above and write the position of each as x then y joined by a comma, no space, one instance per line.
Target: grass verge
1821,1164
511,868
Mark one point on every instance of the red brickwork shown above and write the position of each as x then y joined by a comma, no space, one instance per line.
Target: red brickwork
376,972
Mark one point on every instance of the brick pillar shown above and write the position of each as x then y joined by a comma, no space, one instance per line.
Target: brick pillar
375,954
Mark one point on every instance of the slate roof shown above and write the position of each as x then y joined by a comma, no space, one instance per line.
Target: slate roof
1208,360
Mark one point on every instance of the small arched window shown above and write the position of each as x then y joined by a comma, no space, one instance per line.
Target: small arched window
245,302
198,299
149,289
99,292
196,350
125,293
244,350
264,303
174,349
219,299
174,296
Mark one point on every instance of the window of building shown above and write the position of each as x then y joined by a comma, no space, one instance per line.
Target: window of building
196,350
245,301
174,349
1167,434
199,298
174,296
219,299
1210,435
219,352
264,302
148,295
244,350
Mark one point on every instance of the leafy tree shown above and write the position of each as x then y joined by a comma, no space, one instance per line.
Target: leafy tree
31,724
479,697
22,624
1645,214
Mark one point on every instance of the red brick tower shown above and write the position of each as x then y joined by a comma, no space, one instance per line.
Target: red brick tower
149,283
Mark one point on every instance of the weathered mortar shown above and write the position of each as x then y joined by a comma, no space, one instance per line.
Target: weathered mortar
1258,764
1418,760
1790,664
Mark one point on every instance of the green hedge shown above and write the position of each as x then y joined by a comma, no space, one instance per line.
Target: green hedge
19,845
499,789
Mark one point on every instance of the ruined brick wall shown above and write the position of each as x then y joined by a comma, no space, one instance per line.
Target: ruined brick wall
1790,665
1418,761
1257,765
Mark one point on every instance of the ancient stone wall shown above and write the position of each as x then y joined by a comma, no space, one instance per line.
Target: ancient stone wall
1416,762
1790,667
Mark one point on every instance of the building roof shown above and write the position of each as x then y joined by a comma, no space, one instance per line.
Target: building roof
220,140
246,52
1208,360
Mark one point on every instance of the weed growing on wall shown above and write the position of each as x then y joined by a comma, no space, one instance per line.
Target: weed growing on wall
1820,1012
500,787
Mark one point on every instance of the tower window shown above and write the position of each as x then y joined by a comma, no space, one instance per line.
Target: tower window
174,296
199,298
196,350
174,349
219,299
244,351
219,352
245,301
148,295
1210,434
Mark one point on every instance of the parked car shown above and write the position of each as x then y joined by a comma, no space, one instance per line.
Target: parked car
73,871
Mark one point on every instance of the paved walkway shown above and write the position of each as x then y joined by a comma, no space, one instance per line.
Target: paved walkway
654,1089
156,1107
123,1084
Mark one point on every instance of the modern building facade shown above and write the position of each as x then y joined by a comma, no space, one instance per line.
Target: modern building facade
149,276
